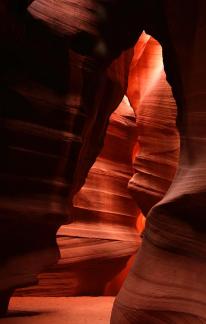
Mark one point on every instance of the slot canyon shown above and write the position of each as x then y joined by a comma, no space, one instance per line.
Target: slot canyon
102,169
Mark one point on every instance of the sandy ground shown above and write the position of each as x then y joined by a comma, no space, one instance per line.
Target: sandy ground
58,310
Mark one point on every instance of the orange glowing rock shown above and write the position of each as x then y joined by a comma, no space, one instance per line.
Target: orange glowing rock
151,98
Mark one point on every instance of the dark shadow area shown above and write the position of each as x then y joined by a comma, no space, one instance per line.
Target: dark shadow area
16,313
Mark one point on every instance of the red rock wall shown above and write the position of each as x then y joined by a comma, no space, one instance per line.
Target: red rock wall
55,106
167,282
96,246
103,236
47,156
155,109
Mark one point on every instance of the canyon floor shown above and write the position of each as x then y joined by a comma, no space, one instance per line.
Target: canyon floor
59,310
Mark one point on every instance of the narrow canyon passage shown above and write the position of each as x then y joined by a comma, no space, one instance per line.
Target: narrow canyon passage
80,123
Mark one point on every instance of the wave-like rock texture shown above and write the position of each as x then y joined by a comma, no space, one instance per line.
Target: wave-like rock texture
54,110
107,213
151,98
47,155
167,283
96,246
104,216
104,208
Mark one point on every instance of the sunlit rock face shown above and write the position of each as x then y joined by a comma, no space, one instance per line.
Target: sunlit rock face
155,109
167,282
106,220
56,106
44,83
104,207
96,246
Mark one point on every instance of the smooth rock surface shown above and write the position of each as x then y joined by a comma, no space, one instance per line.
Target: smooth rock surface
97,245
151,98
176,225
52,122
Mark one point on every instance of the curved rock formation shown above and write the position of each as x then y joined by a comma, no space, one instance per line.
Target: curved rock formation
53,102
96,246
167,282
155,109
43,81
104,216
104,201
104,213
